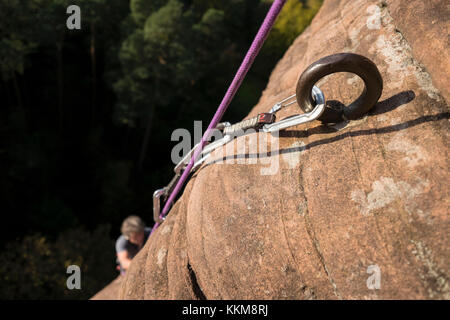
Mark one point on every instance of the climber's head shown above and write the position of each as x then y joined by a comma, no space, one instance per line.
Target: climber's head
133,230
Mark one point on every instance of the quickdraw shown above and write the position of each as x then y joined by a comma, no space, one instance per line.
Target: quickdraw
308,97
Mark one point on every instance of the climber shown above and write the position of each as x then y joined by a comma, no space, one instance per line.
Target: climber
134,235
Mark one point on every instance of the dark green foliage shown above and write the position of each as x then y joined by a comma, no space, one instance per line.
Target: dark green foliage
35,268
86,118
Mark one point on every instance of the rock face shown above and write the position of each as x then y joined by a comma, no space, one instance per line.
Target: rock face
358,210
110,292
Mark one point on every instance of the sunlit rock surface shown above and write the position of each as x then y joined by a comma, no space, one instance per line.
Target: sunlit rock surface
336,207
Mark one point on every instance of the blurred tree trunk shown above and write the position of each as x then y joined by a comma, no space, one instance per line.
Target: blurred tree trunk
20,107
144,147
9,100
60,75
94,74
17,90
26,95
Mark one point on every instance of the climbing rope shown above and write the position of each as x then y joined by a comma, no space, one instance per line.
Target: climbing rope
255,47
308,96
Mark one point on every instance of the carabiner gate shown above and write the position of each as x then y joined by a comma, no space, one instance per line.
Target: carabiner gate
319,100
309,98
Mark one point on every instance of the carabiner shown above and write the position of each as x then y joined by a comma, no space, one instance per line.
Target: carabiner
309,98
341,62
319,101
262,120
277,106
157,203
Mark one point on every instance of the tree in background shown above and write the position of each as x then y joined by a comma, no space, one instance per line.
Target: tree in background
83,111
178,59
35,268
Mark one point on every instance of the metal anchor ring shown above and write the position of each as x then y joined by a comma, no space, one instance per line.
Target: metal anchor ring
315,113
341,62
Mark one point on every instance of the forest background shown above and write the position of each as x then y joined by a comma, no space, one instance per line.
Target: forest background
86,118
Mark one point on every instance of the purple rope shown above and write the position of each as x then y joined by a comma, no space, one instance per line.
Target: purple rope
257,43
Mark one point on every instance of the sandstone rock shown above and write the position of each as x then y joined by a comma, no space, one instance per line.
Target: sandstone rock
110,292
334,203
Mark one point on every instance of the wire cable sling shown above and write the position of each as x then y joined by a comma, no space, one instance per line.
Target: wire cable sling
255,47
309,98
